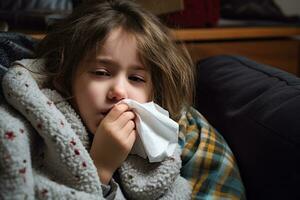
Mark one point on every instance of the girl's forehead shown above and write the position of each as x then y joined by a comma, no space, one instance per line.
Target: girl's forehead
120,33
118,41
118,37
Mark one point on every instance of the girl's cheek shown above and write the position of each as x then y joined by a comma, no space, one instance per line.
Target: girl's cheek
95,93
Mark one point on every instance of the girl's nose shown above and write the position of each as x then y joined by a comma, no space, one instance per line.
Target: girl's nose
117,91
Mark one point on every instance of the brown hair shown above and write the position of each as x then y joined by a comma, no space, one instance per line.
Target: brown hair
88,26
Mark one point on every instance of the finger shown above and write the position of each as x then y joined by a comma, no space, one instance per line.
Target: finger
124,118
127,129
131,138
116,111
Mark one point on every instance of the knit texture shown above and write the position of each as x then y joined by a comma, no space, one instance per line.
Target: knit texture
156,182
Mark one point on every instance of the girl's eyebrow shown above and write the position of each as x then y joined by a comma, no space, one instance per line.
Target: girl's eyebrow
108,61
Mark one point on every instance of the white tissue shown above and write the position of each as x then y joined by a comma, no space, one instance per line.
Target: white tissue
158,134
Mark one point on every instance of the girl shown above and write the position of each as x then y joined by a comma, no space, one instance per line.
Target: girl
101,54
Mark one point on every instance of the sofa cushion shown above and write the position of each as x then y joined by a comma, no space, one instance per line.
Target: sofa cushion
14,46
257,109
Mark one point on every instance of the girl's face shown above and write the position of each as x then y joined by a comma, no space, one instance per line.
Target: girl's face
115,73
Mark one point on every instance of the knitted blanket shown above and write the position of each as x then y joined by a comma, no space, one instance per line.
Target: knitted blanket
44,149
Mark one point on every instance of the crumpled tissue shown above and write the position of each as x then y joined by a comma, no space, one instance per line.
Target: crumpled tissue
158,133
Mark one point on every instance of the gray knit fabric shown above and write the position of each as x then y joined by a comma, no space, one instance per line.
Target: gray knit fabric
156,181
44,150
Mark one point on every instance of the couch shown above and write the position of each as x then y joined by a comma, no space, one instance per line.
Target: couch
257,110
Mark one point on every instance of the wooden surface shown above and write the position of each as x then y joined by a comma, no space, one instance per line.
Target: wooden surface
205,34
234,33
274,46
283,54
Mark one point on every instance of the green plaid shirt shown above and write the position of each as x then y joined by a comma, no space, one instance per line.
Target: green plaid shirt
207,161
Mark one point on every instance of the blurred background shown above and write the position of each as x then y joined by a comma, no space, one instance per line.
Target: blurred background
39,14
263,30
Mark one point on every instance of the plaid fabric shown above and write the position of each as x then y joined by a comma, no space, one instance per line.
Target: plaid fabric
207,161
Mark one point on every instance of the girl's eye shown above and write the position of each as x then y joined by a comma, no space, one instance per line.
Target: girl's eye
137,79
101,73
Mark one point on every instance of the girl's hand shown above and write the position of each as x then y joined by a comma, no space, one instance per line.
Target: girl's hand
113,141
